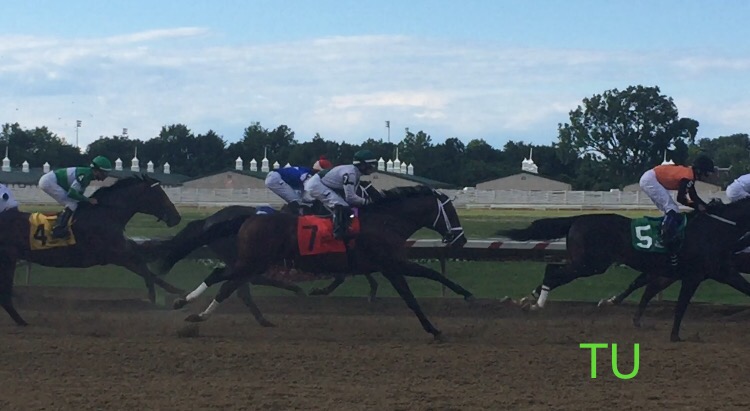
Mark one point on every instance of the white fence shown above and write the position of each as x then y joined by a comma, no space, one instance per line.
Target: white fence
466,199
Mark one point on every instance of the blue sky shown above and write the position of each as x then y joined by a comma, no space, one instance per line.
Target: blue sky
497,70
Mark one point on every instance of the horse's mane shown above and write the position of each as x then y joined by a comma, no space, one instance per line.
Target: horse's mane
717,206
394,195
123,183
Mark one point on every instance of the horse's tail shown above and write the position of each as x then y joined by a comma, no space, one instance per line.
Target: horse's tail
543,229
194,235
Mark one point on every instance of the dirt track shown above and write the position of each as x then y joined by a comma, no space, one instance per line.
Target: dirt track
97,350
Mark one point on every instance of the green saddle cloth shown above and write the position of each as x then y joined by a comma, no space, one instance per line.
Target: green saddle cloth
646,233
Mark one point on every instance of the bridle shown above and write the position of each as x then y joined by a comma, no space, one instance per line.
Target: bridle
452,234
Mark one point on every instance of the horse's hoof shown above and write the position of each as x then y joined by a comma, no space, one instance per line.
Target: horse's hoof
179,303
316,291
535,307
470,298
637,322
300,293
194,318
372,299
605,302
675,338
438,336
22,323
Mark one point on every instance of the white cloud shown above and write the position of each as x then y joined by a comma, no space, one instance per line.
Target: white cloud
341,87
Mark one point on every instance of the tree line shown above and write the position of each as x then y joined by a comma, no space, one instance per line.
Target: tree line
610,140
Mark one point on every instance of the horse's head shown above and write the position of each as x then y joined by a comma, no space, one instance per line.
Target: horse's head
140,194
446,221
422,206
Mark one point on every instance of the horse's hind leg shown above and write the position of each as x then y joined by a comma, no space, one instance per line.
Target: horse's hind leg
653,288
6,289
243,292
641,281
270,282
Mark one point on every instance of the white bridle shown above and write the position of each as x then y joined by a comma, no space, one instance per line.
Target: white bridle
451,232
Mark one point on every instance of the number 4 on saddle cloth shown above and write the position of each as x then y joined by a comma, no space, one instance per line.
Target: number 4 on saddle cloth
646,233
40,233
315,235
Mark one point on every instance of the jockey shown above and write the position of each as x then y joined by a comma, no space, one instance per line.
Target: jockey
7,200
288,183
656,183
66,186
336,188
739,189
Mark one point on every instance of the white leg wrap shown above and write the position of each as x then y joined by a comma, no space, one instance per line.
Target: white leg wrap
197,292
543,296
210,309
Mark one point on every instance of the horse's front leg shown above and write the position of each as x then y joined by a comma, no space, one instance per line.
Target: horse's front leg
140,267
243,292
416,270
395,274
7,274
217,275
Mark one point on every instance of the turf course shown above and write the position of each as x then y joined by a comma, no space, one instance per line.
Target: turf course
484,279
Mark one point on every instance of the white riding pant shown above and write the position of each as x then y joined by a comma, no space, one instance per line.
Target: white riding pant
275,183
7,200
657,193
319,191
736,192
48,184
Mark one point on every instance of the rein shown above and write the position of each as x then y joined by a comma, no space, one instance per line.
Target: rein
722,219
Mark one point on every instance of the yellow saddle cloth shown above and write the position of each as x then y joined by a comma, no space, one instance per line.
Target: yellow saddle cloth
40,233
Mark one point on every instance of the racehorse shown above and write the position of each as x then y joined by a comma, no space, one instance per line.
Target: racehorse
385,225
596,241
222,240
98,234
730,277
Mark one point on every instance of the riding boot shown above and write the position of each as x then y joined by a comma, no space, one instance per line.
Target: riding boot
293,207
305,209
670,240
60,230
340,222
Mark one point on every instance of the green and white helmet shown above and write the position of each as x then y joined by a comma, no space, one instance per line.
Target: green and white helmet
364,157
101,163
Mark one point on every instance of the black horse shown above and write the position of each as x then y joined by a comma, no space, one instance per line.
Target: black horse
220,236
270,239
98,231
596,241
730,277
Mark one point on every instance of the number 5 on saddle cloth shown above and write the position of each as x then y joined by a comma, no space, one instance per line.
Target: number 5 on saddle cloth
646,234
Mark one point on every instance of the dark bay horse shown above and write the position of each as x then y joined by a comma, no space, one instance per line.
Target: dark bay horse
730,276
222,240
99,233
596,241
270,239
